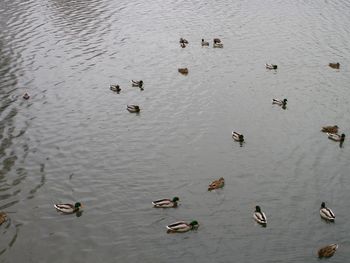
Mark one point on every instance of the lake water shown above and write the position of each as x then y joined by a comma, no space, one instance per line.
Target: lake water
75,141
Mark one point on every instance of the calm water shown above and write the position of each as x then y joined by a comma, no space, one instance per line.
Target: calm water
75,141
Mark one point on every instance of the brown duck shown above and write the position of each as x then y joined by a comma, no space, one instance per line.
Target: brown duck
183,71
327,251
334,65
217,184
3,217
330,129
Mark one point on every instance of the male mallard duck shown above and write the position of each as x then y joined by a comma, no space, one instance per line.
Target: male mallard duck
204,43
133,108
259,216
26,96
280,102
216,40
183,41
330,129
68,208
183,71
327,251
181,226
218,45
3,217
217,184
326,213
334,65
336,137
166,203
271,66
137,83
115,88
237,136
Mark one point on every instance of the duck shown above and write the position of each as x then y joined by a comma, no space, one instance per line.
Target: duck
326,213
68,208
183,41
327,251
183,45
26,96
218,45
330,129
259,216
280,102
181,226
133,108
183,71
204,43
216,40
166,203
271,66
115,88
334,65
336,137
237,136
137,83
217,184
3,217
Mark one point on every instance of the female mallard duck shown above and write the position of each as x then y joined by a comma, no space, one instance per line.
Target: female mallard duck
271,66
133,108
237,136
334,65
327,251
336,137
183,71
330,129
259,216
218,45
280,102
217,184
137,83
115,88
216,40
326,213
183,41
3,217
204,43
68,208
166,203
26,96
181,227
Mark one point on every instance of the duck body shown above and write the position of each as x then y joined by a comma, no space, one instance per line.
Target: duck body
326,213
183,71
183,41
3,217
115,88
137,83
218,45
181,227
217,184
336,137
327,251
183,45
26,96
68,208
330,129
133,108
204,43
334,65
280,102
271,66
259,216
237,136
165,203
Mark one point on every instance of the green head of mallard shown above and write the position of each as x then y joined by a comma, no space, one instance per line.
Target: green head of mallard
323,205
175,199
257,209
194,223
77,205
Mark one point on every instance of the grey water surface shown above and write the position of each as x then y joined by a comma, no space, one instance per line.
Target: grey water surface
73,140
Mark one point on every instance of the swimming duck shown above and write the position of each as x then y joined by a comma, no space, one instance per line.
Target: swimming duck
216,40
183,71
133,108
280,102
271,66
183,41
115,88
326,213
330,129
217,184
336,137
218,45
166,203
327,251
3,217
137,83
237,136
259,216
26,96
204,43
183,45
68,208
181,227
334,65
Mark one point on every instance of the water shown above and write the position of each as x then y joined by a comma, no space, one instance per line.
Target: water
75,141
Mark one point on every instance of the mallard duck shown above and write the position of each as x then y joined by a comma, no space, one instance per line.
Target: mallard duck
330,129
181,227
183,41
259,216
137,83
166,203
3,217
218,45
183,45
217,184
280,102
327,251
336,137
133,108
115,88
26,96
68,208
204,43
183,71
271,66
237,136
334,65
326,213
216,40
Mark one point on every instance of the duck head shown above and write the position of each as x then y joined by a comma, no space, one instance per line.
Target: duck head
342,137
323,205
257,209
77,205
194,223
175,199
